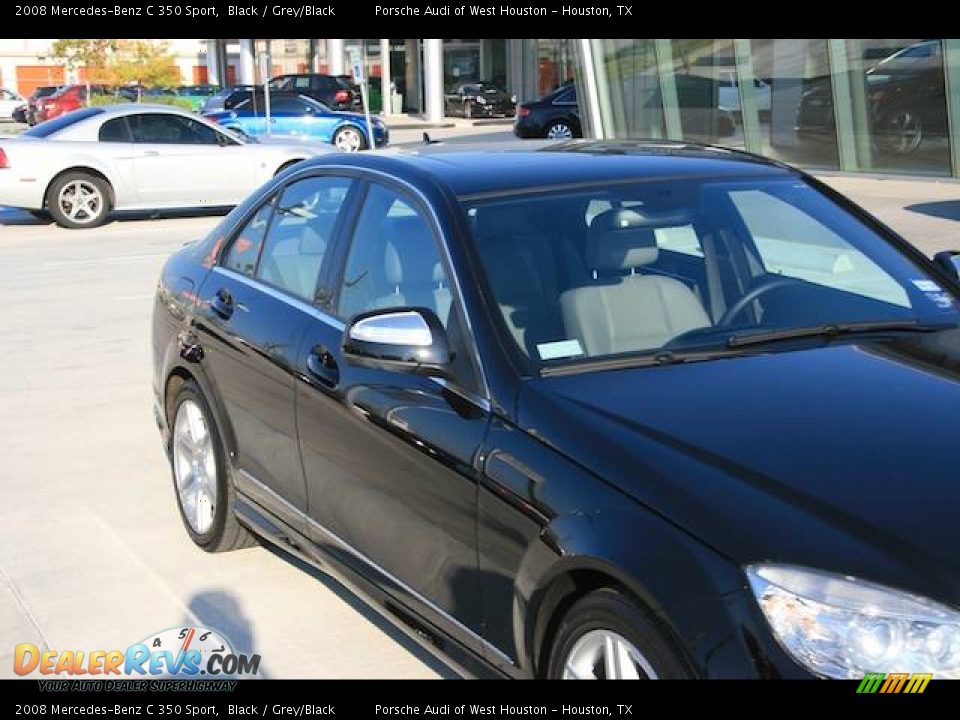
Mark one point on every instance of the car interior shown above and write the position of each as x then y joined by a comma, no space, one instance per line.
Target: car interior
604,273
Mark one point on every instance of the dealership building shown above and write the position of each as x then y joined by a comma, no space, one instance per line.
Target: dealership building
860,105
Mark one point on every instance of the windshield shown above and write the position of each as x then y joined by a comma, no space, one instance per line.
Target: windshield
687,265
48,128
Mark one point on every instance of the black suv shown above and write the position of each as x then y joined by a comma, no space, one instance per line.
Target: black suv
332,91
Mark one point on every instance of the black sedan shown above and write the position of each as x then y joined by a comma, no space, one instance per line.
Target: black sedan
480,100
615,411
555,116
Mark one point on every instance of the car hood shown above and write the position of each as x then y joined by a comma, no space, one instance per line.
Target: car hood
839,456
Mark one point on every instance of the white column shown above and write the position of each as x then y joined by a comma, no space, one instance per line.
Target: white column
385,92
433,79
213,64
335,56
248,65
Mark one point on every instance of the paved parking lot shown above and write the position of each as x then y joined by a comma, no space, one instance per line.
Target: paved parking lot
92,553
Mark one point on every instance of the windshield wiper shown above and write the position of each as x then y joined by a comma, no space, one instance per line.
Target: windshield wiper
832,330
660,357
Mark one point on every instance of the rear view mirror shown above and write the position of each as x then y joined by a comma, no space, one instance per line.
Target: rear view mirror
410,340
949,262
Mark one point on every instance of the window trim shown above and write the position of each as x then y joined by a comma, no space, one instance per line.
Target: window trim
333,244
418,202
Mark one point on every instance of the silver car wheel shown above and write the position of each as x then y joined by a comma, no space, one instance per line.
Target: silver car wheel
348,140
559,131
905,132
80,201
195,467
605,655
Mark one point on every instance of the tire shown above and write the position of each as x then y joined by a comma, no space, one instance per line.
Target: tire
94,202
900,131
349,139
580,649
209,519
560,130
285,166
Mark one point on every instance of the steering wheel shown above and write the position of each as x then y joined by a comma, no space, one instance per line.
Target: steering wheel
754,293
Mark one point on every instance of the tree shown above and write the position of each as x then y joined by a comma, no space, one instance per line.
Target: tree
144,63
92,55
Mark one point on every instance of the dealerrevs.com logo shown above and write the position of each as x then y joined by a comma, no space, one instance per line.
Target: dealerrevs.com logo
176,652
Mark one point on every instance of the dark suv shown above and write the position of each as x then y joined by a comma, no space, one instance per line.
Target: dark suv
332,91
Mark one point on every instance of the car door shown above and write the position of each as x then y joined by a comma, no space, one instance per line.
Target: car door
390,458
181,161
257,303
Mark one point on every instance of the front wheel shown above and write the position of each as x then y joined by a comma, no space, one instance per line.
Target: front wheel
78,200
900,131
205,496
606,636
348,139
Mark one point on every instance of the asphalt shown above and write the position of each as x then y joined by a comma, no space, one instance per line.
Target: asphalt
92,552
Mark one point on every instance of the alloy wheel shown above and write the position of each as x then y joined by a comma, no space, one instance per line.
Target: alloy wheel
348,140
195,467
80,201
559,131
605,655
904,132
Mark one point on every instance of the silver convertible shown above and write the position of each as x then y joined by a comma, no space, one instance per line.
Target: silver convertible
81,166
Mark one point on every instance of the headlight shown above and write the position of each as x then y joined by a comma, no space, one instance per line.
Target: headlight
842,627
481,100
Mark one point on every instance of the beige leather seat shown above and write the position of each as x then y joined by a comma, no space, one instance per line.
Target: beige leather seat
413,271
619,313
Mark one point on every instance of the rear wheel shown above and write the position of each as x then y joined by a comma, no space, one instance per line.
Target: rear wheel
900,131
559,130
348,139
607,636
78,200
205,496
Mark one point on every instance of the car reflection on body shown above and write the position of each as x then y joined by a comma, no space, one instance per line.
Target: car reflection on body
615,410
297,115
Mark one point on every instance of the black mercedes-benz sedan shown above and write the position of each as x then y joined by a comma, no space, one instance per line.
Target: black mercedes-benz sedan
603,410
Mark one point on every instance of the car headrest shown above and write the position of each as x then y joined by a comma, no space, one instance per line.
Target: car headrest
621,239
410,255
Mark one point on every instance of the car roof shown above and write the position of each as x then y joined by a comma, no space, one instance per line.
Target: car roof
516,168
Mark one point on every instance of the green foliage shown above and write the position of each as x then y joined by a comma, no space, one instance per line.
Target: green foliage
92,55
143,62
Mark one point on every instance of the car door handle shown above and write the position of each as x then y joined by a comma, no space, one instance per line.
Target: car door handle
222,303
322,365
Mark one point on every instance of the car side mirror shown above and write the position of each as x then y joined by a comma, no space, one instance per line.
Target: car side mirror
949,262
407,340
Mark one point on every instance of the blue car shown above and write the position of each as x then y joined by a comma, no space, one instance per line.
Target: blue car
297,115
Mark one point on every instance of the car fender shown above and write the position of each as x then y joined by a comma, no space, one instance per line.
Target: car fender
674,577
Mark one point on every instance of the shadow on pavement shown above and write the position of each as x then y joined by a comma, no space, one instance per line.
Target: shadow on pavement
947,209
219,610
13,216
369,614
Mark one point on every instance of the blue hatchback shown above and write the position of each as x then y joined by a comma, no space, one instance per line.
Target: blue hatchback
300,116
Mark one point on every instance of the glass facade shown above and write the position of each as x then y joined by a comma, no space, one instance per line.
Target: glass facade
886,105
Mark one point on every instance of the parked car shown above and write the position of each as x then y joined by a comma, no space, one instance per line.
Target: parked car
35,98
20,114
555,116
225,98
9,102
615,410
83,165
729,93
197,94
906,100
300,116
480,99
67,99
329,90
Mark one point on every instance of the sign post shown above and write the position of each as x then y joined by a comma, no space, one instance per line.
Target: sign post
361,80
265,74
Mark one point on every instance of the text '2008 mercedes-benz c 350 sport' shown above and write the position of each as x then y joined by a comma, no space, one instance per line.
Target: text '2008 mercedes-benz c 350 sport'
602,410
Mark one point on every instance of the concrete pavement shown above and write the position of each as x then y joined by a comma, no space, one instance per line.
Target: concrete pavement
92,552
